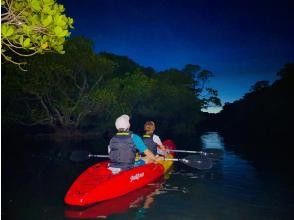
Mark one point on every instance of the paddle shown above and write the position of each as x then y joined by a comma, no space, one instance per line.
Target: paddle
200,161
80,155
211,153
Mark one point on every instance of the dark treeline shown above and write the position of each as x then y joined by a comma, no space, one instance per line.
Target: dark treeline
264,115
82,91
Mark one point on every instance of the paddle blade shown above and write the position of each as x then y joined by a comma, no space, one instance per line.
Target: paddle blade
79,156
200,162
213,153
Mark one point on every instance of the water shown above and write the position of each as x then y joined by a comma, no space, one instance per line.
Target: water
35,180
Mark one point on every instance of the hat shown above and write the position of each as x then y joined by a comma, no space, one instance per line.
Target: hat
122,122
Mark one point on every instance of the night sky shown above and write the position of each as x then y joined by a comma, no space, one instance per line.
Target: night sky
241,42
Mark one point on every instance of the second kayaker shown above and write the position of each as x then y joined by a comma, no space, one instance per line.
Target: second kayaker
123,145
152,140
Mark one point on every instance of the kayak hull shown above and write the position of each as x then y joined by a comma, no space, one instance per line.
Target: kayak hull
98,183
118,205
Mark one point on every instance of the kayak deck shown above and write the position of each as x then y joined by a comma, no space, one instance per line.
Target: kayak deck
98,183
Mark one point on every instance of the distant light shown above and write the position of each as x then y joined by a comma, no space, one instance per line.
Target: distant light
212,109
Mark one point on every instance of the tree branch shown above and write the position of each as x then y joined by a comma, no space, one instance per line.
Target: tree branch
46,109
20,54
14,62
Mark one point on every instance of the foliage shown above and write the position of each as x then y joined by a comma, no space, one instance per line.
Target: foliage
32,26
260,85
195,79
58,88
124,94
287,72
263,114
85,90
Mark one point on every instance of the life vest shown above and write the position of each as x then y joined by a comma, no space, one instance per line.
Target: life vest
148,140
122,151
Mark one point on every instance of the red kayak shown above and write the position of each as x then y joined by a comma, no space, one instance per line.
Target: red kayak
139,198
98,183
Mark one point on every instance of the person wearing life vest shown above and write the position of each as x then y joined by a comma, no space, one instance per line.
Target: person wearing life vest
152,140
123,145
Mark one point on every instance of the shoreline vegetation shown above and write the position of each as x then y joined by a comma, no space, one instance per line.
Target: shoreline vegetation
82,92
261,122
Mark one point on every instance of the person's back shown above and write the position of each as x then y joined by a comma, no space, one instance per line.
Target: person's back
150,139
122,150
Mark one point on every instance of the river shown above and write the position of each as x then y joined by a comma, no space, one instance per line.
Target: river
36,178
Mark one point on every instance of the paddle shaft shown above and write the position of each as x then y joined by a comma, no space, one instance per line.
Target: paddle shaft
183,160
197,161
187,151
106,156
215,154
96,155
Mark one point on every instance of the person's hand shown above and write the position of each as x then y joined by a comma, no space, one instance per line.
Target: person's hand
158,158
162,148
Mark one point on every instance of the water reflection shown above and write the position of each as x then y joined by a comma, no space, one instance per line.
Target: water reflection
235,187
140,200
212,140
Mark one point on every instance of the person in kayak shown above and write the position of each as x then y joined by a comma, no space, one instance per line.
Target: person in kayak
123,145
152,140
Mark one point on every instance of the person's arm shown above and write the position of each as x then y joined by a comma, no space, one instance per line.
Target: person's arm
162,147
139,143
150,155
154,158
157,140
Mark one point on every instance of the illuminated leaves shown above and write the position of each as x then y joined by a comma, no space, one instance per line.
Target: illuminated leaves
7,30
33,26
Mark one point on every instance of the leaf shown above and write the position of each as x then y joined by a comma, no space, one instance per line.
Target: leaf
44,45
59,49
70,22
35,19
57,30
61,8
47,10
65,33
59,20
47,20
18,6
10,31
7,30
48,2
27,29
36,5
21,40
27,43
4,29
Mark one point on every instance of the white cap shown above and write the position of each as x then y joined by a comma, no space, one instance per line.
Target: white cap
122,122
